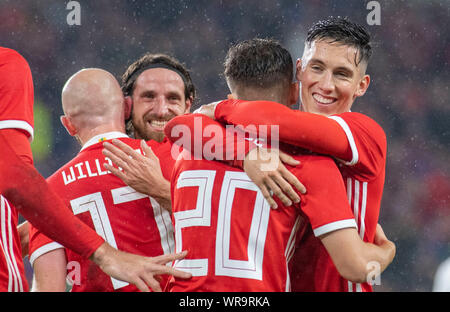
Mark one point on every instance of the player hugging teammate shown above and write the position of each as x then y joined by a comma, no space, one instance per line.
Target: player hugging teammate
323,236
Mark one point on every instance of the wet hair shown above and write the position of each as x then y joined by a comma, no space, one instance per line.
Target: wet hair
260,63
342,31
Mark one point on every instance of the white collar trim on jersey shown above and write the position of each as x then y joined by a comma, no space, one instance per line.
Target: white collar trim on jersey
103,137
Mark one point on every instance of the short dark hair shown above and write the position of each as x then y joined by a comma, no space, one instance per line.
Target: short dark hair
258,63
341,30
129,77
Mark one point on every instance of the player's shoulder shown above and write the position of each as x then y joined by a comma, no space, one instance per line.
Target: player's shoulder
10,55
54,178
361,125
12,62
358,119
227,102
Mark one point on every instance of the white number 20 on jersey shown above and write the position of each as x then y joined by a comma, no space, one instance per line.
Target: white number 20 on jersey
201,216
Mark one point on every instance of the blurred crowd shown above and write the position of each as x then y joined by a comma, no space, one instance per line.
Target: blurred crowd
408,94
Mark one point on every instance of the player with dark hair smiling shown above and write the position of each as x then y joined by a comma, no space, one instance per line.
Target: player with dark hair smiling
245,245
332,74
157,87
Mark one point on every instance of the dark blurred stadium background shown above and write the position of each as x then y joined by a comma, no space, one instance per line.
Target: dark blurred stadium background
408,95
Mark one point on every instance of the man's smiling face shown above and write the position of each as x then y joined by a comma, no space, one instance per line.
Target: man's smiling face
330,77
158,96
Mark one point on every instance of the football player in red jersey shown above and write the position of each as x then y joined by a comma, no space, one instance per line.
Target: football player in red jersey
235,241
332,74
127,220
157,87
26,191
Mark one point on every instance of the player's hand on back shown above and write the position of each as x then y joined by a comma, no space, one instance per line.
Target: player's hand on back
141,172
207,110
266,169
138,270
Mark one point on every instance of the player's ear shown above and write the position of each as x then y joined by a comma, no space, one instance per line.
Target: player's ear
298,69
362,86
294,93
128,101
188,104
67,123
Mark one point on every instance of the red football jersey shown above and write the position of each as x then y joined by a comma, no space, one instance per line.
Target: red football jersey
354,137
16,112
16,108
235,241
127,220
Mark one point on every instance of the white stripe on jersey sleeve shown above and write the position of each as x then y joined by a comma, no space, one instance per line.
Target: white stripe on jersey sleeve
43,250
356,201
333,226
12,277
362,227
165,228
11,251
17,124
350,138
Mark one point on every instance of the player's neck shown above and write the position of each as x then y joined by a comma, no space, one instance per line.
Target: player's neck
260,95
85,136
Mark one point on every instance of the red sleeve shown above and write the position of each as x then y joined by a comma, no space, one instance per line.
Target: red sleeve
310,131
209,139
30,194
39,244
16,92
18,141
325,204
368,144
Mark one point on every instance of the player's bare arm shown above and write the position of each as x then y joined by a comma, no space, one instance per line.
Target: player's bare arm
50,272
138,270
266,169
141,172
353,257
291,123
